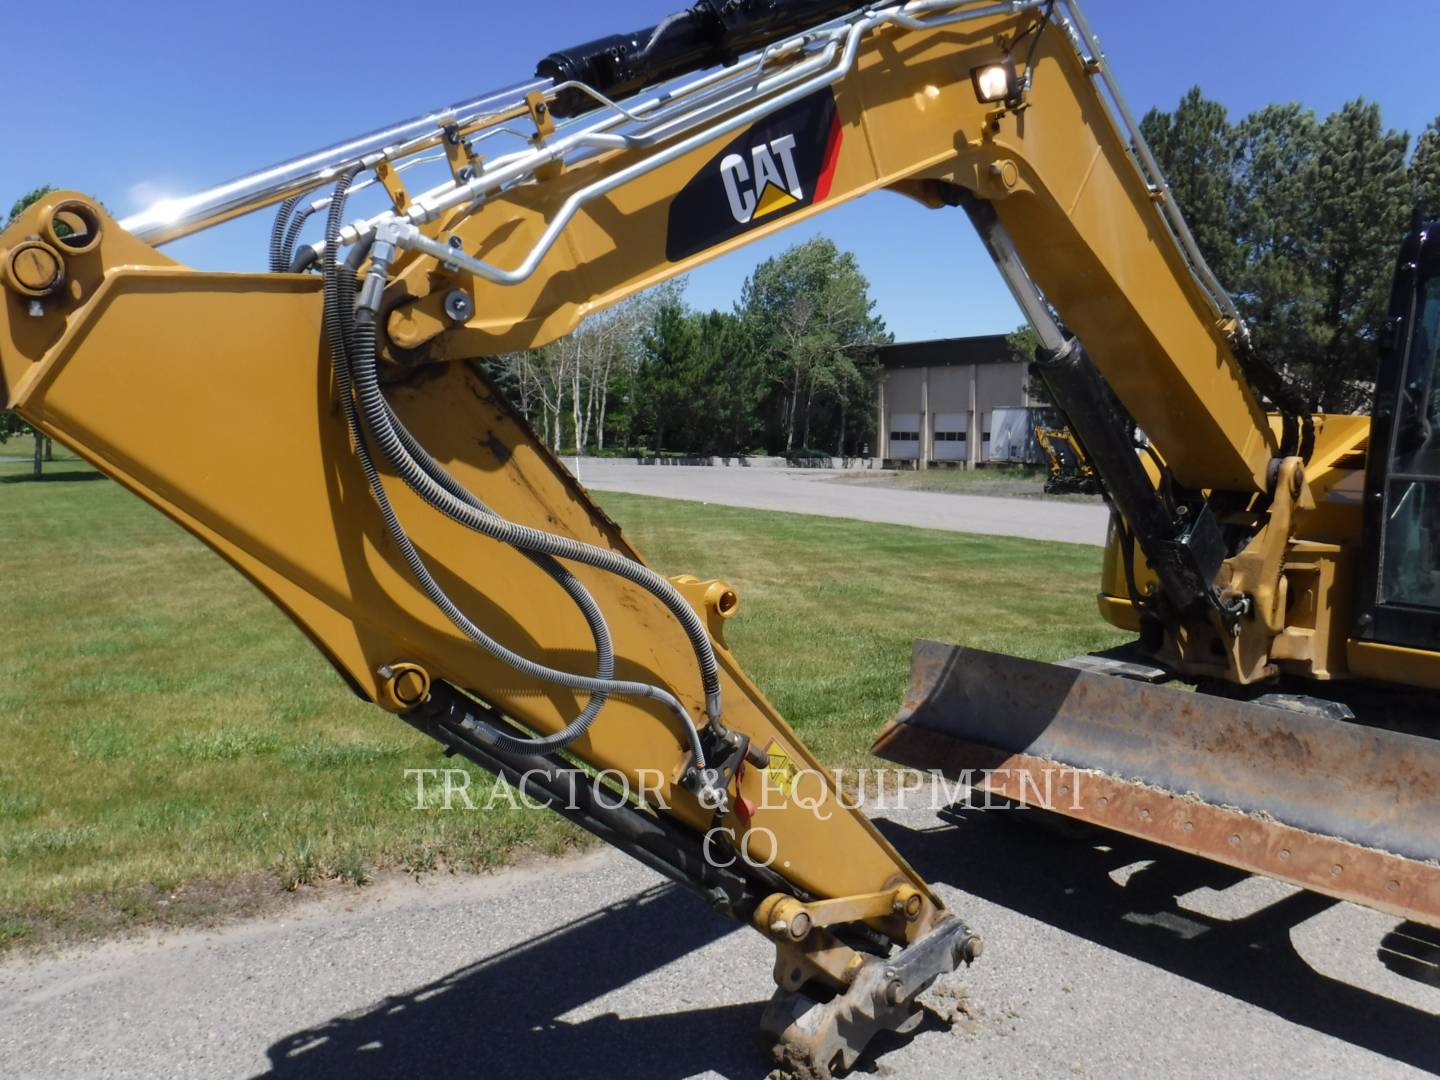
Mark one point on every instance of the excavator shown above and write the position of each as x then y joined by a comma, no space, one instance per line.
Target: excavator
1068,471
326,427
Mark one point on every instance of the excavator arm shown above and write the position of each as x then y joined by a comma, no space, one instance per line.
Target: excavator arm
324,427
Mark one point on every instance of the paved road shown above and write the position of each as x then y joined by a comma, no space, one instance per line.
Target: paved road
815,491
590,967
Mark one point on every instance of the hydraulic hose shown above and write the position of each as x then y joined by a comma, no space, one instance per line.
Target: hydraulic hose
292,234
594,618
279,263
375,413
345,338
376,416
372,411
338,299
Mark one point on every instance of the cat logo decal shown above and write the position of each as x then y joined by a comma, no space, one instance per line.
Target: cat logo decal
780,165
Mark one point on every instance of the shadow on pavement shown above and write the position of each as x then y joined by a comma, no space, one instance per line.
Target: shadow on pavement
59,477
502,1015
1066,883
1413,950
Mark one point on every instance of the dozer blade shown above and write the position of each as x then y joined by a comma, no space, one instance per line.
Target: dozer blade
1346,810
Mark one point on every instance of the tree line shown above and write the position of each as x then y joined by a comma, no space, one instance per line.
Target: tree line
790,370
1301,219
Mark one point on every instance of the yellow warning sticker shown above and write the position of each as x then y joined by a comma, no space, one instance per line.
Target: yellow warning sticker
782,772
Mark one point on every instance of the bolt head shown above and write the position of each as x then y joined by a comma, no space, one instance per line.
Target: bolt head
894,992
459,306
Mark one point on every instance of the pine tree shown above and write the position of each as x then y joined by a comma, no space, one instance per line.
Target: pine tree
1195,146
1360,204
1425,171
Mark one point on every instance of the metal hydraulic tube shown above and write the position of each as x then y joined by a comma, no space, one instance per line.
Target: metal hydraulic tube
461,725
171,219
1185,551
710,33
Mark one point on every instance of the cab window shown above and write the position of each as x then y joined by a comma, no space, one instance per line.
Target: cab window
1410,565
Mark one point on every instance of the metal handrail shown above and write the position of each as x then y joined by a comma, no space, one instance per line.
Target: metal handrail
171,219
831,63
675,119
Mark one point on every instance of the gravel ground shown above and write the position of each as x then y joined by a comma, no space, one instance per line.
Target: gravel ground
591,967
814,491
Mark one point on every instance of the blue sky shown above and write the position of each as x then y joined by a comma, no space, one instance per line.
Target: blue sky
141,100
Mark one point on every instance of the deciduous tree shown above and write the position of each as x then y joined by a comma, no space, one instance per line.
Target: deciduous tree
809,314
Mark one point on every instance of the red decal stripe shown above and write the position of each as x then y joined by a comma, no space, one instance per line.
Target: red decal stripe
832,158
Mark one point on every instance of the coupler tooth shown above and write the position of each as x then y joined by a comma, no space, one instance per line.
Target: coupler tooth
816,1039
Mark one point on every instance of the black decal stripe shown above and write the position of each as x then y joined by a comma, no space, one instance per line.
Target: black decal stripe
700,214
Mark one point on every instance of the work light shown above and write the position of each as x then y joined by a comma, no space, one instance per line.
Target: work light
995,82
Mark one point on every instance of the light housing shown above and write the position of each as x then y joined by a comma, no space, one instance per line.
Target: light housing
996,81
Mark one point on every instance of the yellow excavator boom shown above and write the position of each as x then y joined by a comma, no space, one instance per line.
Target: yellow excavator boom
324,428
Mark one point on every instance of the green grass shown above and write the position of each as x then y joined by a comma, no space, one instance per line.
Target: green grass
1012,482
166,735
829,608
22,448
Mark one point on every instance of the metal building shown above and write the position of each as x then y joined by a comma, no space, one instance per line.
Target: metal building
938,400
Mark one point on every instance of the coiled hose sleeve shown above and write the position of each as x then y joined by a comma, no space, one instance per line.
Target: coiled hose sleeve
579,595
292,234
278,264
340,333
374,412
437,596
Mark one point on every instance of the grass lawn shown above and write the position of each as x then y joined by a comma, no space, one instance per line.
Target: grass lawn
1007,482
170,743
22,448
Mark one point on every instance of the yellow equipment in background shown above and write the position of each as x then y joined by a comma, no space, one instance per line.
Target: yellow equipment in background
1069,471
322,428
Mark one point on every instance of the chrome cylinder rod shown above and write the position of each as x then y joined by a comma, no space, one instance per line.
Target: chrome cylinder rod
171,219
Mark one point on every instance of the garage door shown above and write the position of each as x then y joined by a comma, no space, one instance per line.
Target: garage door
950,435
905,436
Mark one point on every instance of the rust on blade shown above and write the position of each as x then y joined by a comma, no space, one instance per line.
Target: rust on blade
1338,808
1401,887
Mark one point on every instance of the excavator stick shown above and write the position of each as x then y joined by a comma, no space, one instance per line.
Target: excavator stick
1342,809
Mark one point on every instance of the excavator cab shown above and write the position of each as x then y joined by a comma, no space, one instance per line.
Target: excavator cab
1400,589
